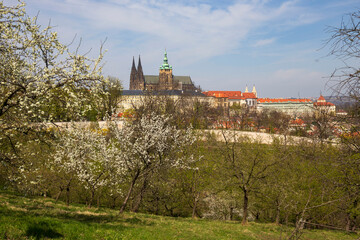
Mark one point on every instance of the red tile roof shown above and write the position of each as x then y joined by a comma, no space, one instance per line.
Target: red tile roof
321,98
297,121
236,97
283,100
223,93
230,94
324,104
249,95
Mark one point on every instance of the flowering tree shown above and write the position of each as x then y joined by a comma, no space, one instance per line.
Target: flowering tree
37,73
87,155
151,143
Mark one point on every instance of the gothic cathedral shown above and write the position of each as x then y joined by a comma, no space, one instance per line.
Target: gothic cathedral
164,81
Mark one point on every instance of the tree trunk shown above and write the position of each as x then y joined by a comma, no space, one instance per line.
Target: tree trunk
91,198
195,193
98,200
195,205
245,208
114,201
141,195
129,192
277,220
348,223
231,213
68,194
157,205
59,194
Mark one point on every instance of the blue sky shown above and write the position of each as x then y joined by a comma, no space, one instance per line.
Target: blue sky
223,45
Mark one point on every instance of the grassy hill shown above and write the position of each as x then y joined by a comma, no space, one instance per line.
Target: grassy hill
42,218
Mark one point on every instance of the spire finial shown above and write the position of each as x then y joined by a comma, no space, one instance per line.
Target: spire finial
165,64
139,63
133,64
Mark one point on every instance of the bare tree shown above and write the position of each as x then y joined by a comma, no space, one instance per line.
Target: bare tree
345,44
248,164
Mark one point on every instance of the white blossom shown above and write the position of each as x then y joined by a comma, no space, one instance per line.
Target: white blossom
152,142
89,156
36,71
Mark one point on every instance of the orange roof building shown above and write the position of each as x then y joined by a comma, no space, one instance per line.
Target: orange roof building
223,93
322,102
321,106
235,97
291,106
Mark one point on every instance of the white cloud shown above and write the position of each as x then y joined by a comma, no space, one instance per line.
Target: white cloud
191,31
264,42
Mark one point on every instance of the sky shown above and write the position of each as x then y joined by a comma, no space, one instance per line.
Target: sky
278,46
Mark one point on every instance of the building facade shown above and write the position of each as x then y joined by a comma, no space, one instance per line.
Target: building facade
164,81
322,107
228,99
293,107
132,99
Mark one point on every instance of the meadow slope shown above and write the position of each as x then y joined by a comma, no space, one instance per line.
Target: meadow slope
42,218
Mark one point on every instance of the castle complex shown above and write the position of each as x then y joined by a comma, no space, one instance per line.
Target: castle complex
164,81
182,86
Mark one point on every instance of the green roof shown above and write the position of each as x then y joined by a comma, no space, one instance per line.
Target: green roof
154,79
165,62
183,79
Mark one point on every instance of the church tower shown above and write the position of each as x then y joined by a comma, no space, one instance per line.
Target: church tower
166,78
254,91
137,79
141,78
133,76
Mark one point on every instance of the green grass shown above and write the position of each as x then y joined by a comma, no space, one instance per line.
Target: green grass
42,218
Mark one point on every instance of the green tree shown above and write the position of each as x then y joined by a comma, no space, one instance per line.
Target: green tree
41,81
150,143
248,164
111,98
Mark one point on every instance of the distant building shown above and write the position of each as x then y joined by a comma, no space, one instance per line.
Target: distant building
182,87
294,107
341,112
164,81
321,106
296,124
135,98
225,99
251,97
232,98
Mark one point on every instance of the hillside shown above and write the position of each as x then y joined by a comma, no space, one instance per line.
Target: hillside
42,218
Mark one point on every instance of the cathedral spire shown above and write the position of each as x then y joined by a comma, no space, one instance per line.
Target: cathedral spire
133,76
139,68
165,64
140,72
246,89
133,68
